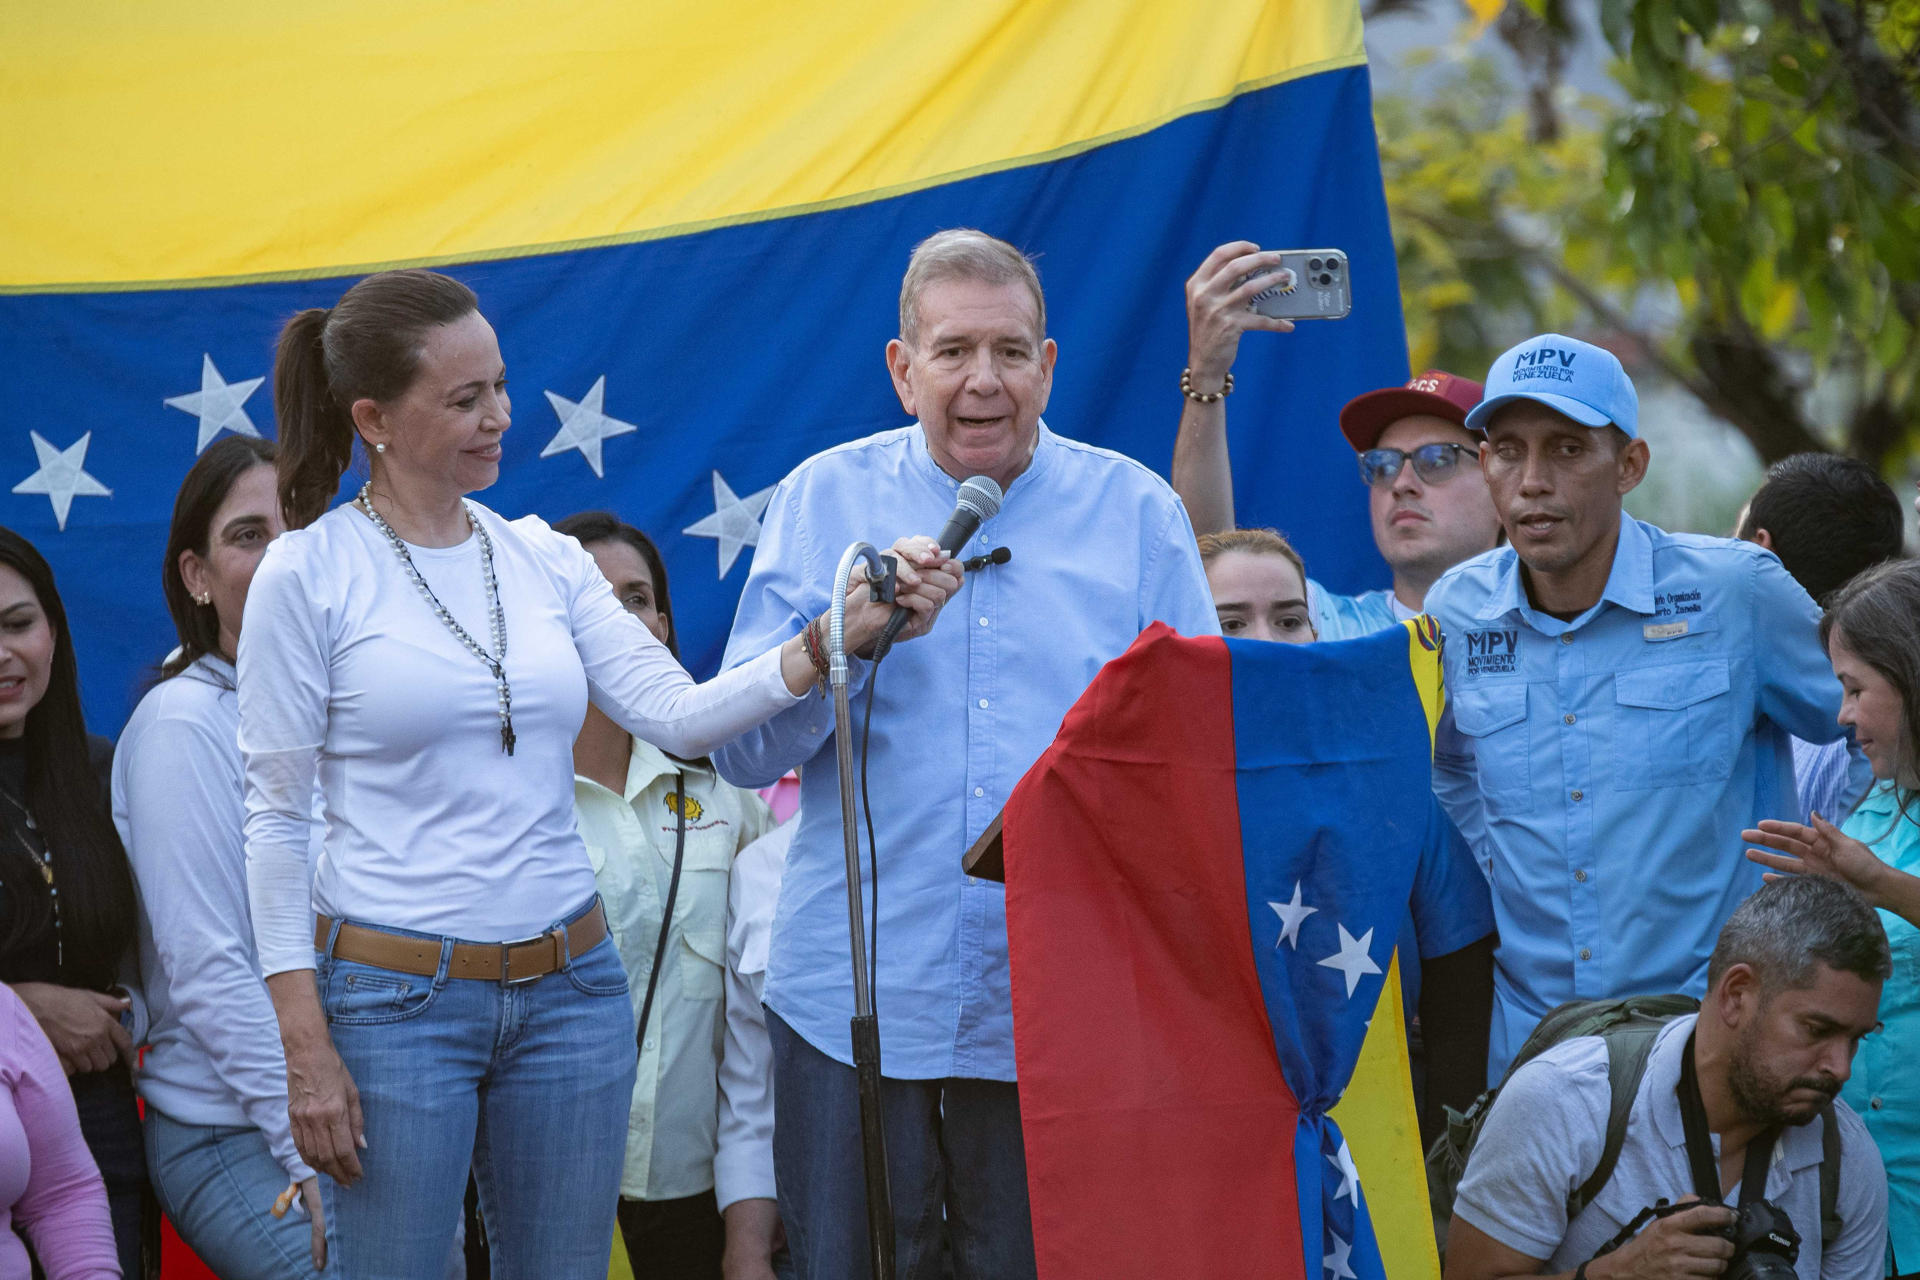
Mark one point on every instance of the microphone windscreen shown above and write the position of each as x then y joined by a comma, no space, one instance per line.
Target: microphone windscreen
981,494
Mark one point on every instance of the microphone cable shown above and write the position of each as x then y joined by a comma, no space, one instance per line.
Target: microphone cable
999,555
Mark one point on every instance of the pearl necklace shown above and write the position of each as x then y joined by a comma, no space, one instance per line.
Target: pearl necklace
494,661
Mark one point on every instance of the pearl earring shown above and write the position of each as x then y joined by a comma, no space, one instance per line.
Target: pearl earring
205,597
380,448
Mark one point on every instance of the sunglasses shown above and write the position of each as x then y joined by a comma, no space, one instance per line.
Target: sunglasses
1433,463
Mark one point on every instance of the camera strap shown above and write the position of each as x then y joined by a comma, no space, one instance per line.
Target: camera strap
1700,1154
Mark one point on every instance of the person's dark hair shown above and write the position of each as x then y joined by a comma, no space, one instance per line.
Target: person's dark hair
1878,617
97,907
365,347
1828,518
589,527
1794,922
208,482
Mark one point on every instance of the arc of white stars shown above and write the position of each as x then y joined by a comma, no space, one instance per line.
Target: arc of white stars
1340,1260
220,405
735,522
1352,959
1292,915
62,476
584,425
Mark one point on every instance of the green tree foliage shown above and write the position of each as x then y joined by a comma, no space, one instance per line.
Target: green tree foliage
1745,208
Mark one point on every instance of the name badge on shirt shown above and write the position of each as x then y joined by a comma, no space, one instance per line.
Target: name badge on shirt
1663,630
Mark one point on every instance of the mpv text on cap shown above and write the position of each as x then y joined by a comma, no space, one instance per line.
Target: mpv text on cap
1578,379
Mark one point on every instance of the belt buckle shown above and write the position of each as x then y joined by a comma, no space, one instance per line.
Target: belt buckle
506,958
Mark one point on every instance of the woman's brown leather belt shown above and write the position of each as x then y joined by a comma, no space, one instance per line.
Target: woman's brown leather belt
504,962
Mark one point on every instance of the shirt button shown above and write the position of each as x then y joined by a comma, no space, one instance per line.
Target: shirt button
1580,877
983,704
1567,638
1875,1103
983,622
1579,795
649,1046
1586,953
979,791
1569,717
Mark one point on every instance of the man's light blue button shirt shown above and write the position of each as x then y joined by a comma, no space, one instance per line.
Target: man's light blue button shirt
1604,768
1338,617
1101,549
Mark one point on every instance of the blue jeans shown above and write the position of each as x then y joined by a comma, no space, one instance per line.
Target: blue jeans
955,1161
217,1184
529,1085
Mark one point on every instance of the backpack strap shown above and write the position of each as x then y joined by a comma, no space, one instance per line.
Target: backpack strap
1629,1045
1830,1222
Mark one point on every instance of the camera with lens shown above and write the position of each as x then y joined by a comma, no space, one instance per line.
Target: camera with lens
1765,1245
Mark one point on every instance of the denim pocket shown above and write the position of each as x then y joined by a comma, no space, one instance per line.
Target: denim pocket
361,994
599,972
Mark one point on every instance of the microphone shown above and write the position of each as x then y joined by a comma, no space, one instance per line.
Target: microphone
977,501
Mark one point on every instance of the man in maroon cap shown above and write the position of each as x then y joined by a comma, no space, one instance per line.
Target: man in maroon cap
1428,500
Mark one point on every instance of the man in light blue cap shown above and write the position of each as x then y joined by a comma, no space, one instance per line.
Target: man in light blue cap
1620,701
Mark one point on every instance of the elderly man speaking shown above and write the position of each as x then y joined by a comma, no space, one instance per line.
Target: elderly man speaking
1101,548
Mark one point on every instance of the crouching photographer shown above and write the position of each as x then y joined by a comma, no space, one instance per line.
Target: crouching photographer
1736,1159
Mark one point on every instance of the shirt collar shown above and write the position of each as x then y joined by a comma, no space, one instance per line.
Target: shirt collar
1044,447
647,764
1629,581
1798,1147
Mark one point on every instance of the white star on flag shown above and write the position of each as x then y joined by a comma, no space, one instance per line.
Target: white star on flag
1291,914
1349,1176
1352,958
583,425
220,405
1337,1261
62,476
735,522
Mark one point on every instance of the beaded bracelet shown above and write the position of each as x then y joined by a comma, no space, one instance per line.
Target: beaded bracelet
816,651
1203,397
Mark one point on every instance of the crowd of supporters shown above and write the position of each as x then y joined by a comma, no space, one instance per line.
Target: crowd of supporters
440,881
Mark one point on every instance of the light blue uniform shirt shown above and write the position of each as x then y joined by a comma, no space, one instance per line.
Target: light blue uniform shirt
1101,549
1885,1087
1604,768
1338,617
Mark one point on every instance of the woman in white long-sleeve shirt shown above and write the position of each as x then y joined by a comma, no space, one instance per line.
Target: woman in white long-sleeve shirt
219,1148
448,993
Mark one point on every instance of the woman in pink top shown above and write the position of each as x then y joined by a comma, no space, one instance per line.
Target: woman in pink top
49,1186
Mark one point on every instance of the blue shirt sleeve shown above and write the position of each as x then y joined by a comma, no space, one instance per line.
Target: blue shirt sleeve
1174,589
787,586
1795,683
1451,905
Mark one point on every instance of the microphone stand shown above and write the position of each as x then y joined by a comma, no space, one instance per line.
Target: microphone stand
865,1025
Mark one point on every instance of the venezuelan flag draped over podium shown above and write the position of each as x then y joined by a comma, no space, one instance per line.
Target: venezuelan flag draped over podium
1206,874
687,220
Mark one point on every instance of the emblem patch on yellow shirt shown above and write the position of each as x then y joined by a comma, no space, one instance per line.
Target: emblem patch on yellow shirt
693,810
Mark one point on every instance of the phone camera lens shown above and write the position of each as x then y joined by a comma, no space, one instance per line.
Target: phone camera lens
1324,280
1333,266
1313,264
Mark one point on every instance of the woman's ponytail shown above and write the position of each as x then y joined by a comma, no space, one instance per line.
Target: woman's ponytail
366,347
315,429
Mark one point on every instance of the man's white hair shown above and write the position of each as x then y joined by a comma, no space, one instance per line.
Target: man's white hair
965,254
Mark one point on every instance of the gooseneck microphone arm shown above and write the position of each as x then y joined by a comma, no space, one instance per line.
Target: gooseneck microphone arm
865,1026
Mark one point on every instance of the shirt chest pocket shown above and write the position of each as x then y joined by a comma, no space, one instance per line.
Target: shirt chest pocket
1675,725
1493,718
700,915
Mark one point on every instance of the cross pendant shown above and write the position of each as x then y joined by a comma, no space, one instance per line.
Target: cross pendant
506,734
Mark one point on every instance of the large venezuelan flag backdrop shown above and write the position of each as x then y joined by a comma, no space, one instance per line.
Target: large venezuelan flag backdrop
687,220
